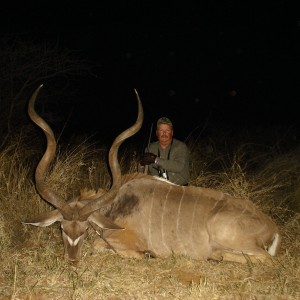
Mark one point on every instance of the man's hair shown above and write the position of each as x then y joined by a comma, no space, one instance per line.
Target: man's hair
164,120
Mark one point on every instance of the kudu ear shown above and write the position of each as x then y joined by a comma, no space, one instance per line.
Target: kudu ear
103,222
46,219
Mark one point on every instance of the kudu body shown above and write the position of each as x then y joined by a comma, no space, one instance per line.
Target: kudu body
142,214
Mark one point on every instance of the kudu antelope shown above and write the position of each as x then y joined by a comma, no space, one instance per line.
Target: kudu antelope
141,214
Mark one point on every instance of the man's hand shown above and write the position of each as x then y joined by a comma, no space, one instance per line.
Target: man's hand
148,159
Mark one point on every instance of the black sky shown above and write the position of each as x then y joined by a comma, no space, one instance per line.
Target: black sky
229,63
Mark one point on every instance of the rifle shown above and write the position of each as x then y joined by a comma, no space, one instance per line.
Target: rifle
148,150
150,135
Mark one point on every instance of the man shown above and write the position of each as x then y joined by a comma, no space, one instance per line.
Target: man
168,157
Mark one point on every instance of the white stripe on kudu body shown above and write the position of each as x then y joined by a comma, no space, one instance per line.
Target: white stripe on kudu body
164,228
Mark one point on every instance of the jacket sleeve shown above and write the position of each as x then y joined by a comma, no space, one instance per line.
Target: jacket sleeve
178,159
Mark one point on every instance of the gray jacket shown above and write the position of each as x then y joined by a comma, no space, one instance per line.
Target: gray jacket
175,159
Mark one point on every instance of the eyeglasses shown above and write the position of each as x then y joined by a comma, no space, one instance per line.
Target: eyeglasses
164,131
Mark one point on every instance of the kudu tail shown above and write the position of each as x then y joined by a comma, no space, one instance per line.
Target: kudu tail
275,244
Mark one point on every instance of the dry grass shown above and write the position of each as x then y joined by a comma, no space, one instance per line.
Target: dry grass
32,266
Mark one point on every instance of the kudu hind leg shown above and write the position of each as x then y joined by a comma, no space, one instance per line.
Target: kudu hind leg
256,256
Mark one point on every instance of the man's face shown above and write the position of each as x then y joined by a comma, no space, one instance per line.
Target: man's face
164,134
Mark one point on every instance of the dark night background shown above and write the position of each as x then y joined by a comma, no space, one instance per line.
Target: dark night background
219,65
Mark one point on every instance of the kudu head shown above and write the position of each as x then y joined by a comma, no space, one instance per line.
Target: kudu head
81,212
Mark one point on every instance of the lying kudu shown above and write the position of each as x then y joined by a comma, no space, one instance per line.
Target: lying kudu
141,214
